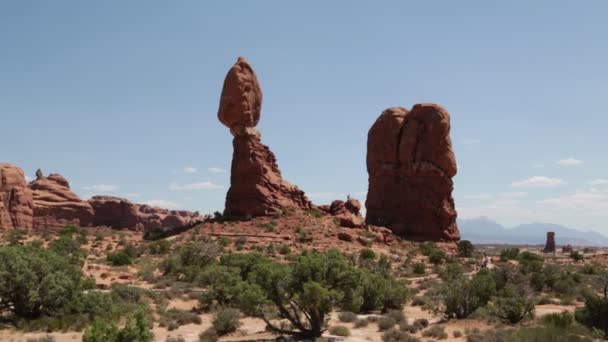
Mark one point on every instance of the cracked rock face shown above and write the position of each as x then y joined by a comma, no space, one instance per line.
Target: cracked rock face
410,163
16,201
256,185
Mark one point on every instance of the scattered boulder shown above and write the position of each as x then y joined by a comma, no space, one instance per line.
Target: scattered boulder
55,205
344,236
347,213
16,201
550,243
410,163
256,185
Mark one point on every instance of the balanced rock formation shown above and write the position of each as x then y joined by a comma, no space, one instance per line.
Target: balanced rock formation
16,201
410,163
256,185
55,205
550,243
347,213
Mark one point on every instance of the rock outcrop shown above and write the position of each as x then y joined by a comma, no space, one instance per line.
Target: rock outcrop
410,163
55,205
347,213
256,185
120,213
550,243
16,201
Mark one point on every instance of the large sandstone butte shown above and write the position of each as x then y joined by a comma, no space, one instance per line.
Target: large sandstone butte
256,185
411,164
16,202
56,205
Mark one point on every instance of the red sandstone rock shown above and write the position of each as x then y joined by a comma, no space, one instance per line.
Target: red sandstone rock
256,185
16,201
411,164
55,205
347,213
550,243
241,99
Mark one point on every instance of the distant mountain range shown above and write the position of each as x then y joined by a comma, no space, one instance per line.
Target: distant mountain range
484,230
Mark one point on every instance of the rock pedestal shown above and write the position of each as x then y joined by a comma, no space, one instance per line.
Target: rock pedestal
550,244
16,201
410,163
256,185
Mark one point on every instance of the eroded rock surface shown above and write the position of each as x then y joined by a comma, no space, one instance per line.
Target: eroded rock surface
16,201
55,205
256,185
410,163
347,213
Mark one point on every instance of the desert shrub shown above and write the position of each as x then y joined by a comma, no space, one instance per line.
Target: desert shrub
366,255
462,296
120,258
189,259
14,237
209,335
513,305
381,292
437,256
451,271
395,335
47,338
36,281
175,339
576,256
530,262
284,249
595,312
385,323
226,320
509,254
546,333
419,301
174,318
457,334
397,315
562,320
347,316
419,268
423,322
339,330
427,248
159,247
360,323
240,242
465,248
592,269
435,332
133,331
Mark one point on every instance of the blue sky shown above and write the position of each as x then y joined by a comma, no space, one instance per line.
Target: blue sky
121,97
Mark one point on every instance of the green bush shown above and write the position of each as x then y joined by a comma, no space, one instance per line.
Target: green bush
435,332
188,260
209,335
509,254
419,268
226,320
437,256
360,323
347,317
120,258
576,256
595,312
385,323
47,338
462,296
562,320
465,248
427,248
394,335
339,330
174,318
159,247
513,305
396,315
133,331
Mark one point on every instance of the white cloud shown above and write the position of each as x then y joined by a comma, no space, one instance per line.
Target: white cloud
101,187
580,203
539,182
194,186
569,162
599,181
479,196
162,203
28,178
190,169
518,194
216,169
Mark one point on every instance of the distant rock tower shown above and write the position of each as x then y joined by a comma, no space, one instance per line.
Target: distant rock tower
550,244
256,185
